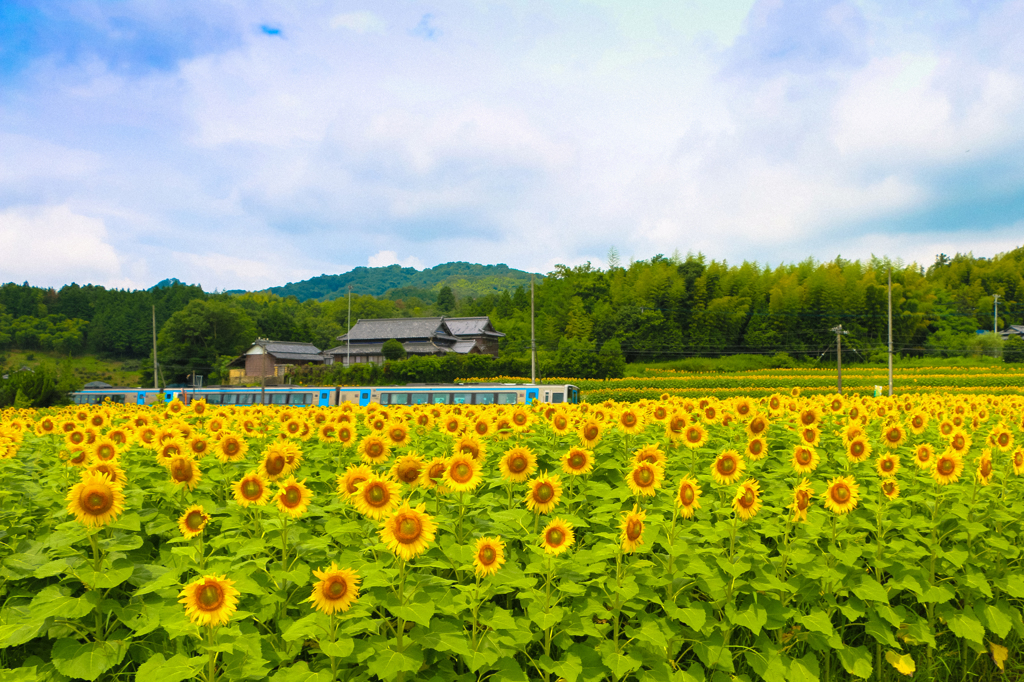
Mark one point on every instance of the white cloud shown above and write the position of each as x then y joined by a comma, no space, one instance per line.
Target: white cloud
235,272
382,258
53,246
360,22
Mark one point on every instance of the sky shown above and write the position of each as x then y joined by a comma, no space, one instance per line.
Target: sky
245,144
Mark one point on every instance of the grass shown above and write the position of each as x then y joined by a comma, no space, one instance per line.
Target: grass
746,363
85,367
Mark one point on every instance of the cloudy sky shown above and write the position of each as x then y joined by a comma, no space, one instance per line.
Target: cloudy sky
245,144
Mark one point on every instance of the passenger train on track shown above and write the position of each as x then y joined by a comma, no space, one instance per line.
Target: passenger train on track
327,396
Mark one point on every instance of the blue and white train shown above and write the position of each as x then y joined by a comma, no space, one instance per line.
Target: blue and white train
328,396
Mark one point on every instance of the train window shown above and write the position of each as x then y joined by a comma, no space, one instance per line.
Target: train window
300,399
459,398
246,398
384,398
557,397
484,398
506,398
420,398
399,398
440,398
213,398
278,398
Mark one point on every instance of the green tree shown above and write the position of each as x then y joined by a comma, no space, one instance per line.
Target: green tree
393,350
445,300
195,337
1013,349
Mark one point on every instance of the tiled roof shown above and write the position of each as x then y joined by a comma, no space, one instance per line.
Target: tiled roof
471,326
276,348
396,328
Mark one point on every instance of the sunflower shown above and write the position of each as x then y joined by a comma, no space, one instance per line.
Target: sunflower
274,464
756,449
432,474
482,427
377,422
75,437
893,436
231,447
560,422
645,478
630,420
77,456
805,459
918,422
336,590
557,537
1001,437
376,497
488,556
775,403
397,434
462,474
349,481
544,493
801,503
743,407
960,442
293,497
984,473
104,449
836,405
842,495
251,489
98,420
675,426
470,445
198,446
727,468
649,453
946,428
632,527
695,436
888,465
193,521
578,462
184,472
810,436
424,420
808,416
95,501
407,469
374,450
1018,461
453,424
747,500
891,488
589,432
517,464
210,600
924,456
688,496
757,426
408,531
112,471
858,449
46,426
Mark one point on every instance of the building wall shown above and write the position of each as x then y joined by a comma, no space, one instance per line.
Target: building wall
259,365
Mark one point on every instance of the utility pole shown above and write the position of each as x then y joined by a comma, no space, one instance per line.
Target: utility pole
348,342
890,331
995,316
533,342
839,357
155,364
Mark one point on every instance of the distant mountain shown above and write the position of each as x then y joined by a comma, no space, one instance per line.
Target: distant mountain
165,283
463,278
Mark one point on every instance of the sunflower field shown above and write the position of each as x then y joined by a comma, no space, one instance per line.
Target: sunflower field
785,537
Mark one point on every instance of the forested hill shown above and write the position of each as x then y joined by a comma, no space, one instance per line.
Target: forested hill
466,279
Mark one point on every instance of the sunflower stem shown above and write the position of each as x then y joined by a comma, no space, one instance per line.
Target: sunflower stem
462,512
334,640
671,552
211,666
476,611
400,630
284,542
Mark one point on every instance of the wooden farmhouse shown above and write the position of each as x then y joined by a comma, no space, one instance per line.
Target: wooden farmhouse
418,335
268,358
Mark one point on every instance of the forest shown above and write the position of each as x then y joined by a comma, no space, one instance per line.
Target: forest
652,310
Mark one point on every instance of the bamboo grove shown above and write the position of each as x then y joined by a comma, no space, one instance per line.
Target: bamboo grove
789,537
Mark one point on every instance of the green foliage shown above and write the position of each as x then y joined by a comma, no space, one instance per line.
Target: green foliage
195,337
1013,349
445,300
393,350
42,386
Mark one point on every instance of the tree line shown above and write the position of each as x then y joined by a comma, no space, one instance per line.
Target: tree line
651,310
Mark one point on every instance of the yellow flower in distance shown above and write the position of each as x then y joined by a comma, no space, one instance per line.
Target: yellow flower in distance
948,467
805,459
578,462
631,421
210,600
757,426
462,474
557,537
231,447
488,556
756,449
193,521
407,469
335,590
374,450
349,481
984,473
95,501
645,478
293,497
590,432
632,527
858,449
891,488
842,495
695,436
544,493
184,472
924,456
802,495
888,465
408,531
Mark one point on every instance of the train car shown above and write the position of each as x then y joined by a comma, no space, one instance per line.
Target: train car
329,396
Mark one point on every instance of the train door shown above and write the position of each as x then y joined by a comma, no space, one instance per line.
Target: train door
325,399
531,395
364,397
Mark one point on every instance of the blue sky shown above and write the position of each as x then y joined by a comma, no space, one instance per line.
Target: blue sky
246,144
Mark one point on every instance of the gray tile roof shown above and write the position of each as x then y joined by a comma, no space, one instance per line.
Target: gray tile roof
291,347
396,328
471,326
